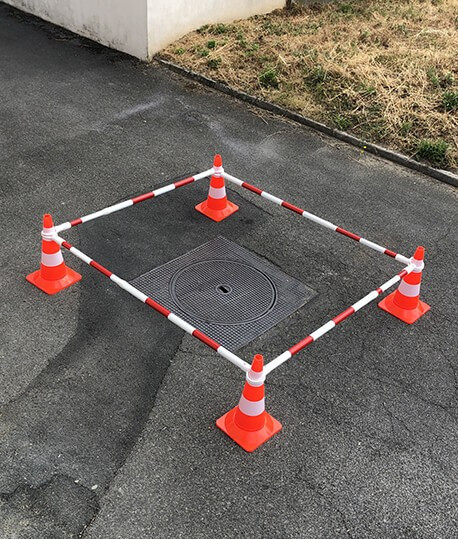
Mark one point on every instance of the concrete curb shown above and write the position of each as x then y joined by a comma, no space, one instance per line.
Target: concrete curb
439,174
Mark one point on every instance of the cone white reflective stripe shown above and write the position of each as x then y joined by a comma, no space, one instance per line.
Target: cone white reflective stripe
410,290
217,192
251,408
51,260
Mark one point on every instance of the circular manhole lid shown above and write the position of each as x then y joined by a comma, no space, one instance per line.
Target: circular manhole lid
223,291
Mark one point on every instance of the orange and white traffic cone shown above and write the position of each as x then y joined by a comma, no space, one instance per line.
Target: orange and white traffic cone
405,303
248,424
217,207
53,275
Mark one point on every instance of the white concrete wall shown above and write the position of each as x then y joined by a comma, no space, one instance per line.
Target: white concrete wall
170,19
119,24
141,27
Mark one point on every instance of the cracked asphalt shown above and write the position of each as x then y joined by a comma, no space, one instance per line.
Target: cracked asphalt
107,411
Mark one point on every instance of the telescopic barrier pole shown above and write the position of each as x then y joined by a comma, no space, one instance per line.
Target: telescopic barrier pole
336,320
132,201
311,217
221,350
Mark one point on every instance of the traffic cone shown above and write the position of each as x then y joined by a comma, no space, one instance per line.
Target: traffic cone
53,275
217,207
405,303
248,424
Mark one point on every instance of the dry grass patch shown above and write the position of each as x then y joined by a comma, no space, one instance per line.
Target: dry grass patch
384,70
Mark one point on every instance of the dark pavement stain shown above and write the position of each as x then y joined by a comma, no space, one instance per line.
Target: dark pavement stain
55,509
82,415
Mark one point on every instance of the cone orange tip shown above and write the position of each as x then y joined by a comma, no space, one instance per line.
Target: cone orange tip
47,221
54,275
258,363
419,253
217,161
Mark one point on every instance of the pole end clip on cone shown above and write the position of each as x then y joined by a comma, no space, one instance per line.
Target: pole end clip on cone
248,424
217,206
53,275
405,303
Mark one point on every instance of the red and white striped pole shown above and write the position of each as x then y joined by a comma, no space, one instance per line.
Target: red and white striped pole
175,319
195,332
316,219
132,201
322,330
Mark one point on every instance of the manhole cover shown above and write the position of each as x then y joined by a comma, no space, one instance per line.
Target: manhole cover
226,291
223,291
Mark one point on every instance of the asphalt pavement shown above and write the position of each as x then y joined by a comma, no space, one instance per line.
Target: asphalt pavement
107,410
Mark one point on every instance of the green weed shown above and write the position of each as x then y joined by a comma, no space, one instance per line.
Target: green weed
316,76
364,36
450,100
365,89
269,78
220,28
442,80
434,151
342,122
405,127
275,28
346,8
214,63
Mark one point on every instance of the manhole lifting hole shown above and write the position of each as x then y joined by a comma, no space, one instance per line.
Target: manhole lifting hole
229,293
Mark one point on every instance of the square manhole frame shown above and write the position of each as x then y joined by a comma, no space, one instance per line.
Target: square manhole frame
292,294
410,264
